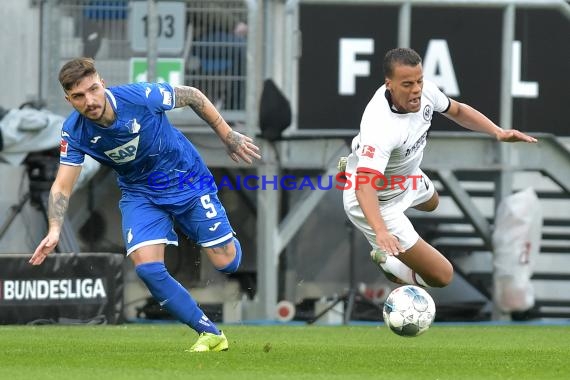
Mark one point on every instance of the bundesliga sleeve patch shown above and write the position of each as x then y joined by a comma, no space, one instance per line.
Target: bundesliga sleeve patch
63,148
167,98
368,151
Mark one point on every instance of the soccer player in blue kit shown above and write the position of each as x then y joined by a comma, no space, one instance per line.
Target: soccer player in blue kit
126,128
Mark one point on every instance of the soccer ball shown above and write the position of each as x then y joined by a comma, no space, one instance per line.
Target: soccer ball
409,310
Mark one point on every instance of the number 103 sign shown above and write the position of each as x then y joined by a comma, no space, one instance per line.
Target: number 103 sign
171,26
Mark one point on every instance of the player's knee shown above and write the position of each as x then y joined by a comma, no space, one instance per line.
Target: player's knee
232,262
429,205
432,204
153,271
442,278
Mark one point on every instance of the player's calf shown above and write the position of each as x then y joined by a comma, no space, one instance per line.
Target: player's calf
225,257
398,272
173,297
234,264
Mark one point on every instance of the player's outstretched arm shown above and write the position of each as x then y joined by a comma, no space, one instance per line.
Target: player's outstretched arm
468,117
238,145
57,206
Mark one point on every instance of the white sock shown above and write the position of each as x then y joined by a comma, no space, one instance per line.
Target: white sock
402,271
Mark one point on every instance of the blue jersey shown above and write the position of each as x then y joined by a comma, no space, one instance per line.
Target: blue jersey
149,155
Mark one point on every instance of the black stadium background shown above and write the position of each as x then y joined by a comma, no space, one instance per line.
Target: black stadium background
474,38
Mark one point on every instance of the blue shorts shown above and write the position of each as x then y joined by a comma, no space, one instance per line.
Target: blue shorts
148,220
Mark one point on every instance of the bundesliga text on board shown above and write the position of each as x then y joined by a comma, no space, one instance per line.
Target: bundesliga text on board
59,290
160,181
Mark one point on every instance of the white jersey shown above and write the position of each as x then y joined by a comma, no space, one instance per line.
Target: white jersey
391,143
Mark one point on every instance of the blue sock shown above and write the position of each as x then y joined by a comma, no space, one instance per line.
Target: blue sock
174,297
234,265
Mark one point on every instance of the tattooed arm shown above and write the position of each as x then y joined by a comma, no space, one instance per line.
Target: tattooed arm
238,145
195,99
57,206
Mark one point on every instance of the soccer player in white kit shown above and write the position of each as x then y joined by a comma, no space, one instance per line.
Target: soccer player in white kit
383,175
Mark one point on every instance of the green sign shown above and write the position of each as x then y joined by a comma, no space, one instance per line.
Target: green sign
170,70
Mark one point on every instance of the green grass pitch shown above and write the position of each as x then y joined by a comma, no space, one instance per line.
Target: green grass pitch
156,351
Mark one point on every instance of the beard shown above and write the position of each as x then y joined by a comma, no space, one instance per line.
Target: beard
102,113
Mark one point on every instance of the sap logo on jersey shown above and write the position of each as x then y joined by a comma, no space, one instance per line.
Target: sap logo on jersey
124,153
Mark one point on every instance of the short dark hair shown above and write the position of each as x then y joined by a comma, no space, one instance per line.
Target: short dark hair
75,70
402,56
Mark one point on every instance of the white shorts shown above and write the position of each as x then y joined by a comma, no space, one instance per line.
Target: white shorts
392,212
